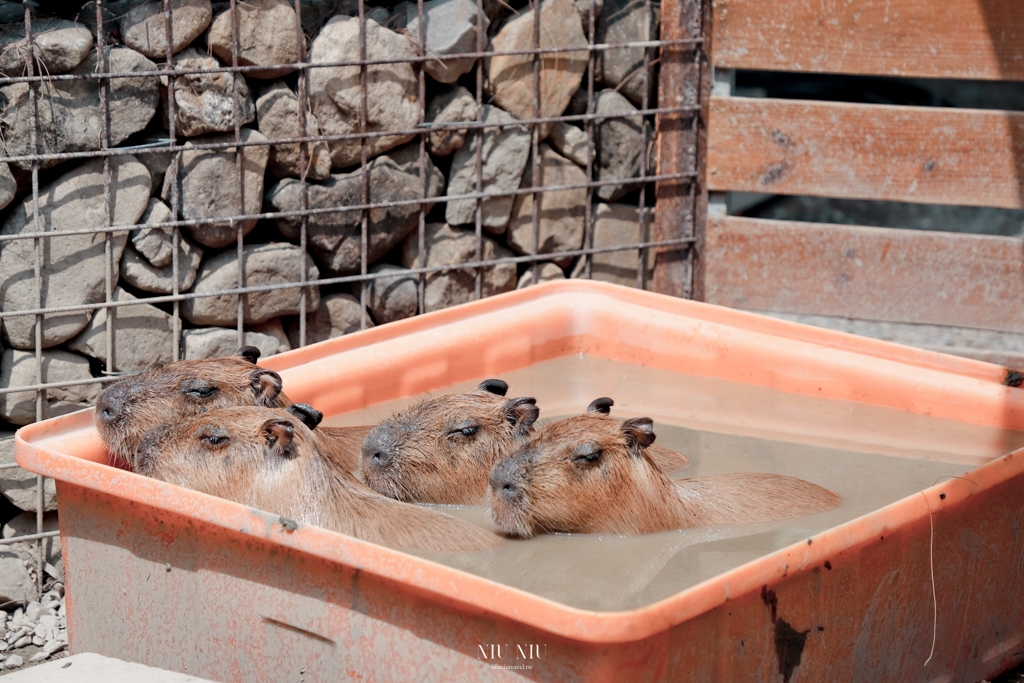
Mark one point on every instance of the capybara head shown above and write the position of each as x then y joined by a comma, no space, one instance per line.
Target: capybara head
246,454
131,407
576,475
589,474
441,449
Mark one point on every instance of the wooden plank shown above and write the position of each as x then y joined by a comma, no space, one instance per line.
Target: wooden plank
917,154
684,80
871,273
978,39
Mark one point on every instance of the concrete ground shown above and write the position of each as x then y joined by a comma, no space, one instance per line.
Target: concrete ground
92,668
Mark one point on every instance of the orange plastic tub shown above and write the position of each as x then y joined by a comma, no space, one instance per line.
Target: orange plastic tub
180,580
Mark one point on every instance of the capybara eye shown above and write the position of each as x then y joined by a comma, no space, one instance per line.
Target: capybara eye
198,389
588,457
215,440
464,431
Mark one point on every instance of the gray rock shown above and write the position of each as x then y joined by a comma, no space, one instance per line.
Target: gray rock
377,14
570,142
15,661
391,99
547,273
337,315
24,524
577,103
113,10
334,238
8,185
504,154
20,642
277,111
73,267
218,342
143,336
37,620
154,243
450,31
207,187
618,225
511,76
156,161
205,102
626,21
394,297
266,37
69,117
583,7
264,264
58,46
40,656
620,144
140,273
451,246
18,369
142,28
455,105
274,328
560,214
18,485
316,13
407,158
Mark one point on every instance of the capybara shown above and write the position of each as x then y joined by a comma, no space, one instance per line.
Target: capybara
269,459
131,407
441,449
589,474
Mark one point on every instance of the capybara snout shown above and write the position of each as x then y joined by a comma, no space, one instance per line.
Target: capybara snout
441,450
131,407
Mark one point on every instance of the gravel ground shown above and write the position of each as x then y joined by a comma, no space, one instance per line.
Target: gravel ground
34,633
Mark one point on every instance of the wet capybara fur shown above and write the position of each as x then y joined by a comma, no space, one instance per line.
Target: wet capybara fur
271,460
131,407
441,449
590,474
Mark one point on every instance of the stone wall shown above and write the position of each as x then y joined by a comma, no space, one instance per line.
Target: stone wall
180,197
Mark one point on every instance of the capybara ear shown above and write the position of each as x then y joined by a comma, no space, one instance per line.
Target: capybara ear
266,385
309,415
601,405
279,434
638,432
495,386
250,353
521,413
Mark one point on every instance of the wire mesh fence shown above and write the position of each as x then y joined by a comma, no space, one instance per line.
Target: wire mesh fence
184,177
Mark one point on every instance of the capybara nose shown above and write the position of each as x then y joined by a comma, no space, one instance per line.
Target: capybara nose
377,449
504,478
111,404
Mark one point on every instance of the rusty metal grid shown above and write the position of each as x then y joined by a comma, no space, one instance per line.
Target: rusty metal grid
673,135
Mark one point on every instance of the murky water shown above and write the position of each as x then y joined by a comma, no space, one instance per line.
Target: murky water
870,456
